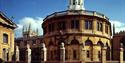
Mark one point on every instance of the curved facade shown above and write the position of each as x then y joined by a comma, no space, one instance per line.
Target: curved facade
77,29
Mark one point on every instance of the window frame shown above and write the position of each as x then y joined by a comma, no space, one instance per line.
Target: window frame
75,24
88,24
5,38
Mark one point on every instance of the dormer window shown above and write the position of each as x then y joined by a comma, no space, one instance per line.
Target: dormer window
74,2
5,38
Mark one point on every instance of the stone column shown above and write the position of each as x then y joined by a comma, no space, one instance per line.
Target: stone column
121,55
104,54
62,53
28,54
17,53
95,53
43,52
83,54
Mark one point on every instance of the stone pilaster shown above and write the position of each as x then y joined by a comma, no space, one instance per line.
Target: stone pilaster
121,55
43,52
17,53
103,25
62,53
83,53
104,54
95,53
28,54
94,26
81,25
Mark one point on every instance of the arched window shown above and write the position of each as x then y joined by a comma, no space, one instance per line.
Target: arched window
88,43
89,48
100,43
74,42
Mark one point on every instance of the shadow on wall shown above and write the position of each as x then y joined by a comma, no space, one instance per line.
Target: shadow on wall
1,61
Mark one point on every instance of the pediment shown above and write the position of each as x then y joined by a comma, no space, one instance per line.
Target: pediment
4,20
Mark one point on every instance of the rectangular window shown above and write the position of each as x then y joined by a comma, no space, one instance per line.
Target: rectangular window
78,2
61,25
106,28
33,42
49,27
99,54
99,26
74,2
45,30
25,43
75,24
52,27
88,54
4,54
74,54
5,38
88,24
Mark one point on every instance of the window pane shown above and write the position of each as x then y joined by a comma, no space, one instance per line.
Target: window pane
73,2
88,54
74,54
86,25
90,24
101,26
72,24
5,38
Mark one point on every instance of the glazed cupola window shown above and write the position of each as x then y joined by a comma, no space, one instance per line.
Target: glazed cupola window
74,2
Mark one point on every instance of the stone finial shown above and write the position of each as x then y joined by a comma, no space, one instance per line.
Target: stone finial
28,46
17,48
43,45
83,45
62,44
121,45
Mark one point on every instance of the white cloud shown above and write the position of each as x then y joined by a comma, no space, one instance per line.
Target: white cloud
119,26
35,24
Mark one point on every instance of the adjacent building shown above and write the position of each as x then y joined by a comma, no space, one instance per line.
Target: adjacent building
118,41
6,37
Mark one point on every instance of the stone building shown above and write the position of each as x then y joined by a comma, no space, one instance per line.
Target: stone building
79,28
74,35
118,41
6,37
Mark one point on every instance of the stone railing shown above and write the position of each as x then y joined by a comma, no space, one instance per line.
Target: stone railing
80,12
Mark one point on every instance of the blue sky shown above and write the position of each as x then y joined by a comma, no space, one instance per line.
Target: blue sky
39,9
